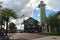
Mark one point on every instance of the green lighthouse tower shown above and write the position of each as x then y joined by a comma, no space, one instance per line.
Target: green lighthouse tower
42,16
42,12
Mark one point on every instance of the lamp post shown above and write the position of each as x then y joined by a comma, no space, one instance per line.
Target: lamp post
6,26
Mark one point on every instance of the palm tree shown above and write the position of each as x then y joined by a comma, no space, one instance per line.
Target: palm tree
6,14
12,27
53,22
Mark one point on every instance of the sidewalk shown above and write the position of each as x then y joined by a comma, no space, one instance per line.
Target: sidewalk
49,38
25,36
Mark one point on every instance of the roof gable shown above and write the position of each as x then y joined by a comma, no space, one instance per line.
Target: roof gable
58,13
31,19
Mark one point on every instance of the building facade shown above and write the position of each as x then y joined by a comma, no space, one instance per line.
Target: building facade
31,25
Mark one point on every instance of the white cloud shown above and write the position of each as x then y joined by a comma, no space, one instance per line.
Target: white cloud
27,6
53,4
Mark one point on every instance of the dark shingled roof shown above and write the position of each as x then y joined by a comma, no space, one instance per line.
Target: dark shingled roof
58,13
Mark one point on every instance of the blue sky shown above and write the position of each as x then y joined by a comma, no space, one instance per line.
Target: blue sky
36,13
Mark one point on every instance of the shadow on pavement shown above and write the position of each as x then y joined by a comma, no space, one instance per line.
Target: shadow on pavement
4,38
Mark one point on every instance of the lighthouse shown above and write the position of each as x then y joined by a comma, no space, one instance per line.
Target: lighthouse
42,12
42,16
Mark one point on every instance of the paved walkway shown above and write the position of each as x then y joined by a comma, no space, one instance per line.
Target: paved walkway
49,38
25,36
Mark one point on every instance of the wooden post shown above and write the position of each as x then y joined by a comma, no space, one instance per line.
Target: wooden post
49,29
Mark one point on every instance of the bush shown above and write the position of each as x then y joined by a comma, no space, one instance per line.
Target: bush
58,33
54,33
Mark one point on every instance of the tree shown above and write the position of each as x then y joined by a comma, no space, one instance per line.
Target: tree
1,23
6,13
53,22
12,27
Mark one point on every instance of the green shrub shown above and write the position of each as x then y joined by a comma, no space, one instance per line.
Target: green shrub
58,33
52,33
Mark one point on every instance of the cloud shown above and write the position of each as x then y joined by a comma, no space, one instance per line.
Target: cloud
16,5
29,8
21,7
53,4
26,7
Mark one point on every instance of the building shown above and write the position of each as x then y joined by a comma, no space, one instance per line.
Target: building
31,25
58,15
54,23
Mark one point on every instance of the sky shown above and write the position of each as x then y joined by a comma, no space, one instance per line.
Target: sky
29,8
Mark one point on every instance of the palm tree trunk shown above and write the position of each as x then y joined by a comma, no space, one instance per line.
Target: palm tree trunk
1,26
7,26
1,30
